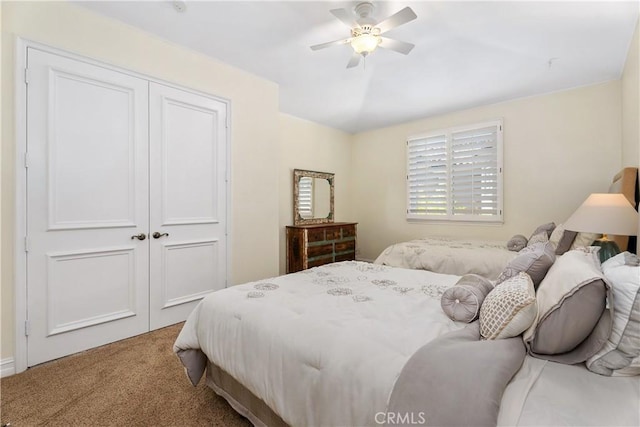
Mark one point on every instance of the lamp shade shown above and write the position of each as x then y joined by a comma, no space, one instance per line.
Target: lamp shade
605,213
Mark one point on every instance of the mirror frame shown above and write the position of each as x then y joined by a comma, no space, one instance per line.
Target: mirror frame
301,173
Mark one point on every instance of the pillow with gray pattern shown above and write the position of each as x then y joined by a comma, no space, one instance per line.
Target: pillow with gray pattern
535,260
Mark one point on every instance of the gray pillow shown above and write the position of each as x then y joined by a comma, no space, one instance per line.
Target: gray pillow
573,322
541,237
563,329
462,301
517,243
535,260
547,228
566,241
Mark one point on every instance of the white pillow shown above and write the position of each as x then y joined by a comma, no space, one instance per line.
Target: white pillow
620,354
509,309
583,240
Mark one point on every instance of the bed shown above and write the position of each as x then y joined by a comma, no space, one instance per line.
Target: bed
449,255
486,258
355,343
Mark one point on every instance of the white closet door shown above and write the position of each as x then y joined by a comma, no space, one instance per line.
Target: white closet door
188,201
87,195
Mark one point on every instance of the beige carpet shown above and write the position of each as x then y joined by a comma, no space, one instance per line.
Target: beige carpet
134,382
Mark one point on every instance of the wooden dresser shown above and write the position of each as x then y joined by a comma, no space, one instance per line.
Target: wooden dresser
313,245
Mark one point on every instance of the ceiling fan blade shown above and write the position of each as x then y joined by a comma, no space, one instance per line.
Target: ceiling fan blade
396,45
329,44
345,17
402,17
355,60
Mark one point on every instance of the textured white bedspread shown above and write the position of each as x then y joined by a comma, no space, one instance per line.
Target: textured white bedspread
449,256
324,346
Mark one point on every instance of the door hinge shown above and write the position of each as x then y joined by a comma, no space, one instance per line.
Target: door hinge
27,328
26,160
26,76
26,243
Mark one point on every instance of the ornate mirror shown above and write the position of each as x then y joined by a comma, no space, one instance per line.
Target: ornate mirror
312,197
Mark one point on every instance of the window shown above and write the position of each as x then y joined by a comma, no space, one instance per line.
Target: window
456,174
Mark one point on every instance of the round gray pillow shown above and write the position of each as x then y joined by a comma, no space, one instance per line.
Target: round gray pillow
462,301
517,243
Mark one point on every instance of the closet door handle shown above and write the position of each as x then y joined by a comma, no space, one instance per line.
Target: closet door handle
140,236
157,235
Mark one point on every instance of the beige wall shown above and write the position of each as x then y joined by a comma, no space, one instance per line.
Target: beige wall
254,131
631,104
558,148
307,145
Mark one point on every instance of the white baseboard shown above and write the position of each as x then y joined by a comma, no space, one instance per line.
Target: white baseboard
7,367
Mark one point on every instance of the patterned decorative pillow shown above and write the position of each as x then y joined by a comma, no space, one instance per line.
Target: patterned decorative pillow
462,301
534,260
509,309
572,322
541,237
546,228
618,354
517,243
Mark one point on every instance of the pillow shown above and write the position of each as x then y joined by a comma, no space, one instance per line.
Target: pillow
623,347
462,301
538,238
517,243
509,309
546,228
534,260
570,326
583,240
562,239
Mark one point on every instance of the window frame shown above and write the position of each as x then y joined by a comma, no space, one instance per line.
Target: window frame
450,217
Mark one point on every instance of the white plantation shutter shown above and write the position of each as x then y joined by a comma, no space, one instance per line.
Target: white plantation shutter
427,181
456,174
305,199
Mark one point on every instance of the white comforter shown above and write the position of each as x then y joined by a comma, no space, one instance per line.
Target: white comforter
449,256
324,346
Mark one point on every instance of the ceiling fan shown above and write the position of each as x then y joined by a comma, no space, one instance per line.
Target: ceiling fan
366,33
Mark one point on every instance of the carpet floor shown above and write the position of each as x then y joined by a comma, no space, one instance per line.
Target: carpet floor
134,382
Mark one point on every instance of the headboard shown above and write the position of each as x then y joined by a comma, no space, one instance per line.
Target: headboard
626,182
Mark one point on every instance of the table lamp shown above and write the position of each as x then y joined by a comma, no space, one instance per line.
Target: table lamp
605,213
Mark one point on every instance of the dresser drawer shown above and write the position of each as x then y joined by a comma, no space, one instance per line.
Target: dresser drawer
314,251
346,246
349,256
315,235
349,231
320,261
333,233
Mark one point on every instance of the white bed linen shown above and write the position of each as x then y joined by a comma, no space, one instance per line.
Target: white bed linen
449,256
325,347
314,357
546,393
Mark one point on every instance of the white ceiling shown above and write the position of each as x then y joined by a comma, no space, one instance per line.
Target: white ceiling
467,53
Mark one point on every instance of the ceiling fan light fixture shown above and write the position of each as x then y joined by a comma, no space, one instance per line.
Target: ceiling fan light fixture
364,44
